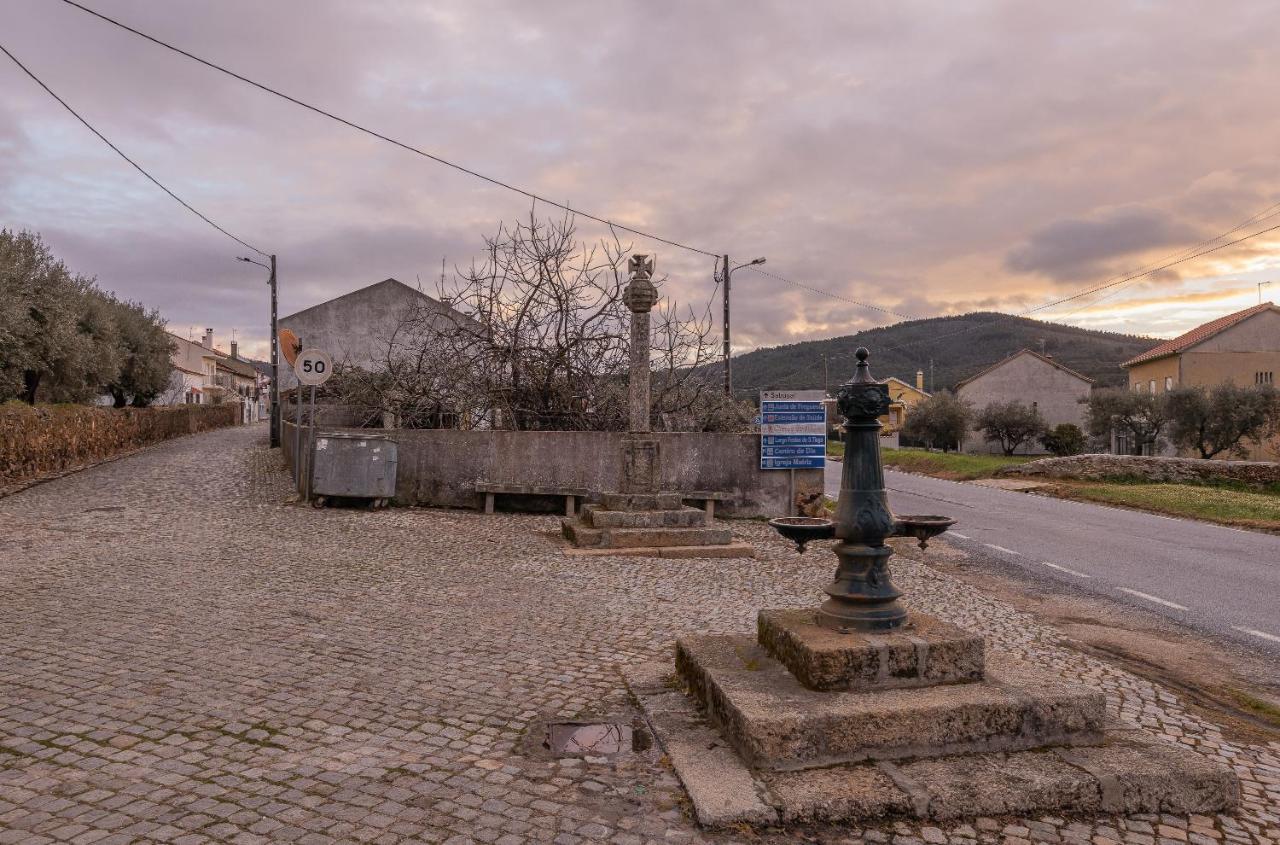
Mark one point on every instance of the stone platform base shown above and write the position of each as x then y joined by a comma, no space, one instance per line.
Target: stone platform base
777,724
728,550
1124,772
649,521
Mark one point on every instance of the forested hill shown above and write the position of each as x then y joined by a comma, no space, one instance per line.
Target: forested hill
958,346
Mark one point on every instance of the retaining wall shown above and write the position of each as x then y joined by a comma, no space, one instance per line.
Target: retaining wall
440,467
1103,467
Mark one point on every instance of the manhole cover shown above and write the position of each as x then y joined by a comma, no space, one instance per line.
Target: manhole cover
589,738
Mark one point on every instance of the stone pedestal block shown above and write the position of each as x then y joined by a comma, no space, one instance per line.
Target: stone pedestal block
925,652
777,724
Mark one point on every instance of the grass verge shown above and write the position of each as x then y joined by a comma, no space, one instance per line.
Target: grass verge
1224,505
952,465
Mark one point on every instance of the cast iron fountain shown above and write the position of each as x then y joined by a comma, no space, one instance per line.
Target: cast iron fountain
862,597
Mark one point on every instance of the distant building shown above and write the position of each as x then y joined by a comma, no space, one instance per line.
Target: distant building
1242,348
195,367
355,328
1057,391
204,375
902,398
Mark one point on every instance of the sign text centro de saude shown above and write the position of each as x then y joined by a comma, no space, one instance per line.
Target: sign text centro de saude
793,429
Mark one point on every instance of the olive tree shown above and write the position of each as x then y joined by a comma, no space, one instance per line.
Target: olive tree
1217,420
1142,416
1011,424
940,422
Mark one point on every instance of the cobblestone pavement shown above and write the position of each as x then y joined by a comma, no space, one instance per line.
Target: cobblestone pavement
185,657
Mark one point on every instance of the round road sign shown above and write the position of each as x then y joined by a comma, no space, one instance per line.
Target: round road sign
313,367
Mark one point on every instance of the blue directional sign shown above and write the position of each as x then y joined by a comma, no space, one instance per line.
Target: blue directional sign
793,429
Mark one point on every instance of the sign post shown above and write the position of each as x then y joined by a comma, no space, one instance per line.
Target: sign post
312,368
793,432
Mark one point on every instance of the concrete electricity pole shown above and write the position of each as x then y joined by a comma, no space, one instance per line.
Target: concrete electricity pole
275,352
728,276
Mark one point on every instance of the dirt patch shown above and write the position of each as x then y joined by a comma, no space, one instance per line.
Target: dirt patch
1219,680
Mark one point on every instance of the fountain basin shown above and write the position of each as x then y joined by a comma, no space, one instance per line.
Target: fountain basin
802,530
922,527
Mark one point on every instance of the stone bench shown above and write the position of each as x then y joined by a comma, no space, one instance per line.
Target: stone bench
708,498
491,488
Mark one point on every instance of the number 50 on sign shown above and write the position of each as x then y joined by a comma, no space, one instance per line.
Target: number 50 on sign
313,367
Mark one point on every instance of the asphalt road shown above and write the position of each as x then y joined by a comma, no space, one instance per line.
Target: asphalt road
1222,580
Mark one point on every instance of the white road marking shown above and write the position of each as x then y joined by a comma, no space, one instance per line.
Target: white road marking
1064,569
958,534
1256,633
1151,598
1002,549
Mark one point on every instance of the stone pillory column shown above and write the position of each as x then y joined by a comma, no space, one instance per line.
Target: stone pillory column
639,297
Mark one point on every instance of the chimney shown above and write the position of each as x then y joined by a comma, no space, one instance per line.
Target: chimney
208,338
234,356
920,380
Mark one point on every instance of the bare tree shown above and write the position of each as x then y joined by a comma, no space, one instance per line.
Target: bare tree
537,338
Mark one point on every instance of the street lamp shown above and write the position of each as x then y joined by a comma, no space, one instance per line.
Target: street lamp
728,275
275,351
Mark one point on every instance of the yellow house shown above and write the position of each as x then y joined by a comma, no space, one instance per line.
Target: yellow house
1243,348
902,398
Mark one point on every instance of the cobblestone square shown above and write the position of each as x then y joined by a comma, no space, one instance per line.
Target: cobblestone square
188,657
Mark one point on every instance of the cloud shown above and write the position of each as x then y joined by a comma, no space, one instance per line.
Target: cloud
1081,249
926,159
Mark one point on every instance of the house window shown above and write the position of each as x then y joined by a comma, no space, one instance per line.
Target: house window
1152,385
1264,377
1168,383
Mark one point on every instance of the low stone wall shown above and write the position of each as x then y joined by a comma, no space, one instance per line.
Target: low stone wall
440,467
50,439
1103,467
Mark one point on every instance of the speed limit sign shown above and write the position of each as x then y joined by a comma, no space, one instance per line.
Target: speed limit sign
313,367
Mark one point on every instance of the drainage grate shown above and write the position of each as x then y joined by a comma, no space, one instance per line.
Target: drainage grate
589,738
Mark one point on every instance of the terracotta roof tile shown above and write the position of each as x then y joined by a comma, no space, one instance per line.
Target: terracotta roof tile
1196,335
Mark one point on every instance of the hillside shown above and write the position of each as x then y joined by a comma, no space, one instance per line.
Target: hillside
958,346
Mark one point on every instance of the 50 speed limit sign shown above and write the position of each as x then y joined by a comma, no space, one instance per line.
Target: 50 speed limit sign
313,367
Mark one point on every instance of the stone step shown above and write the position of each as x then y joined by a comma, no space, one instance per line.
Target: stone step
924,652
579,533
681,518
1127,773
622,538
775,723
641,501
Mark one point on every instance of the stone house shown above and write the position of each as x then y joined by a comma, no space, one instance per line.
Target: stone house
1242,348
1057,391
355,328
195,367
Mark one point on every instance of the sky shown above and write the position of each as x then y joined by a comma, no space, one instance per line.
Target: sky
926,158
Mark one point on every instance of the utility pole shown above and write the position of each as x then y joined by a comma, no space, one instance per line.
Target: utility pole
275,350
728,276
275,361
931,384
728,376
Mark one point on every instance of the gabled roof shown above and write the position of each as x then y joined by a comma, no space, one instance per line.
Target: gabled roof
1044,358
1198,335
905,384
437,304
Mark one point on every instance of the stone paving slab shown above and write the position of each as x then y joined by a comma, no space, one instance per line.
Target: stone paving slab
187,658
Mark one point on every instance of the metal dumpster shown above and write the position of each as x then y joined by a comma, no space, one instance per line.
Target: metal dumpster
354,465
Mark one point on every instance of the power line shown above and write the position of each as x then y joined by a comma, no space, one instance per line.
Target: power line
120,153
830,294
401,144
